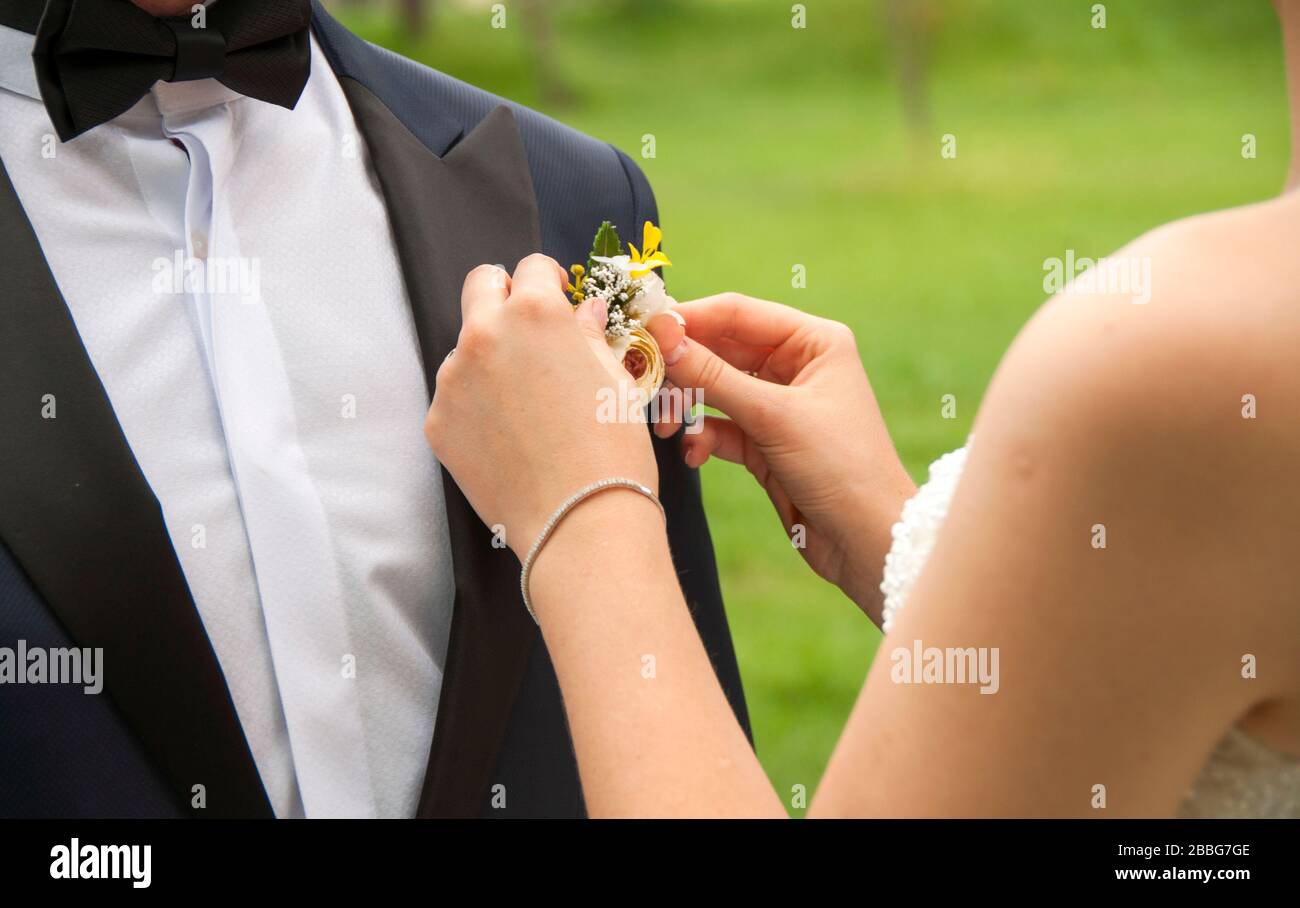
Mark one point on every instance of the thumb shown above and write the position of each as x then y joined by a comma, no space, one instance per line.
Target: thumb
591,315
696,369
668,329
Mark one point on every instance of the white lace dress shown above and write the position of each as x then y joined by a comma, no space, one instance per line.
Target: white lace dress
1242,778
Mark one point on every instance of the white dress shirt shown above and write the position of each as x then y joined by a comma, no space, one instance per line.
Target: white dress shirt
272,391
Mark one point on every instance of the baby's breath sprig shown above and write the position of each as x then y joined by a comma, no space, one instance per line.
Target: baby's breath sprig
618,277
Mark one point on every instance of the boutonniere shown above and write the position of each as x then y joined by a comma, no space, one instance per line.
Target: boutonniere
635,293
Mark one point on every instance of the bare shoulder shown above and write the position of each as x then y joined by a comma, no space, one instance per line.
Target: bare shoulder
1178,401
1188,334
1195,312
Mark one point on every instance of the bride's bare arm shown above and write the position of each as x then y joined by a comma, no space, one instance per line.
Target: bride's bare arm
1121,666
653,731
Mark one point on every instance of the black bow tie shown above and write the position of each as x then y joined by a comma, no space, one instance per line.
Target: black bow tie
96,58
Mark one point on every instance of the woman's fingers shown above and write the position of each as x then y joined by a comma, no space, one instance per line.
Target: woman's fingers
745,358
673,403
668,329
538,283
751,321
719,383
717,436
486,285
591,315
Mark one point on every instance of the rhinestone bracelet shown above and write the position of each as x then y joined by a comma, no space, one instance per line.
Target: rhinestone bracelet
616,482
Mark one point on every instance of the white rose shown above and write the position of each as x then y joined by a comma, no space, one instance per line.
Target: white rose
652,300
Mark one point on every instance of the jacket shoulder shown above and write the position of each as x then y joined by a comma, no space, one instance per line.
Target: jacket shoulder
567,166
576,178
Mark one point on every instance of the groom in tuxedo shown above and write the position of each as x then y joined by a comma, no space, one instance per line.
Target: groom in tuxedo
232,242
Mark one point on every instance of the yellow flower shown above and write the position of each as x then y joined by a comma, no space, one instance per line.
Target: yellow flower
575,288
649,256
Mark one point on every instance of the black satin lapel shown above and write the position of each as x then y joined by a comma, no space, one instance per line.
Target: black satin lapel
449,214
80,518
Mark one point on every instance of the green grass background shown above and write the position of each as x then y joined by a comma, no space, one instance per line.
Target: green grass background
777,146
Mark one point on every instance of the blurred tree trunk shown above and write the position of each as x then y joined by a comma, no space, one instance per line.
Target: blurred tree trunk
911,25
415,15
541,39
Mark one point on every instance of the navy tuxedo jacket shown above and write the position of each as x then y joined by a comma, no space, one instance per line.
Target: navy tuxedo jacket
85,559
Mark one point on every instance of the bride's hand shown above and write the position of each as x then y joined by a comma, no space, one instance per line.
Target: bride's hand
803,420
514,413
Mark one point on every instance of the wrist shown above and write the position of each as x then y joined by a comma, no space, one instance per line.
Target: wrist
614,531
527,527
868,538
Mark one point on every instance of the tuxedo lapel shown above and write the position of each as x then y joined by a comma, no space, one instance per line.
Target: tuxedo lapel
473,205
79,516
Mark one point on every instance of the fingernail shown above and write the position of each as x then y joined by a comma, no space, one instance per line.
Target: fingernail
602,311
676,353
677,315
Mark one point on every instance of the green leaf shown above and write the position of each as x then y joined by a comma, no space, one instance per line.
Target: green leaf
606,243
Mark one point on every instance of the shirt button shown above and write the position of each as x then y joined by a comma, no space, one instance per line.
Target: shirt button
199,244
